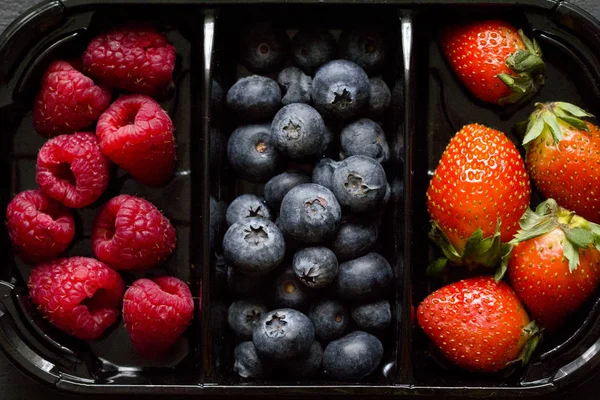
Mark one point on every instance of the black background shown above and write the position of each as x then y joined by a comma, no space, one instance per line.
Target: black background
16,386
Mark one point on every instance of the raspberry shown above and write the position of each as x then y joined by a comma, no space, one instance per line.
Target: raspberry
130,233
72,169
79,295
39,228
137,134
156,312
67,101
136,59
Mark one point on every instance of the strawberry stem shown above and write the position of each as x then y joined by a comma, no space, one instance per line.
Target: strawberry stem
548,117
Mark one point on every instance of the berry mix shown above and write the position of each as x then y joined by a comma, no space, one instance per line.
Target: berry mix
97,112
310,289
309,281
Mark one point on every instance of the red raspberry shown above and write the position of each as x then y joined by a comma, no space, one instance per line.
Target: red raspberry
156,312
39,228
137,134
72,169
130,233
79,295
136,59
67,101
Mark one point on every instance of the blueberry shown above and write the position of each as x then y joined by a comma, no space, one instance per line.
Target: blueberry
365,47
380,98
364,137
328,142
289,292
263,47
252,154
323,172
254,98
353,356
364,277
276,189
310,213
254,245
244,285
298,131
330,318
243,315
340,89
291,244
247,206
283,334
359,183
217,222
306,365
316,267
247,363
295,86
312,48
354,239
372,316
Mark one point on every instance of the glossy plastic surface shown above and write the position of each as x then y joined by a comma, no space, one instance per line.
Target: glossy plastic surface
429,105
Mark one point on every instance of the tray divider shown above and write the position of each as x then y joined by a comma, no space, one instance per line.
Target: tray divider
405,230
200,246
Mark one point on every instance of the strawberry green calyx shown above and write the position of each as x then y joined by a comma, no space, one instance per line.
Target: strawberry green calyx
533,335
478,251
579,233
549,115
529,68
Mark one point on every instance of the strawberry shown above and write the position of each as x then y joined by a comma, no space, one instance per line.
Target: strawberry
478,193
478,324
497,63
555,264
563,157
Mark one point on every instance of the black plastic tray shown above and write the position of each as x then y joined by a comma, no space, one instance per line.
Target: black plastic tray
429,106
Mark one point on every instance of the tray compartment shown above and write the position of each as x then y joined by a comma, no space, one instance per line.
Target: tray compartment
225,185
206,68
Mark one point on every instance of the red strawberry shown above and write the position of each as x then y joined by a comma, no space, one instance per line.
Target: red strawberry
497,63
563,157
555,265
478,193
478,324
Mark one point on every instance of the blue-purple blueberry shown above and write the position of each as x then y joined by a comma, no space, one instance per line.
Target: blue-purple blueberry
363,278
247,363
353,356
330,318
373,316
364,137
295,86
264,47
289,292
366,47
278,186
283,334
243,316
354,239
379,99
323,172
247,206
312,48
359,184
316,267
340,90
255,246
252,153
298,131
254,98
310,213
